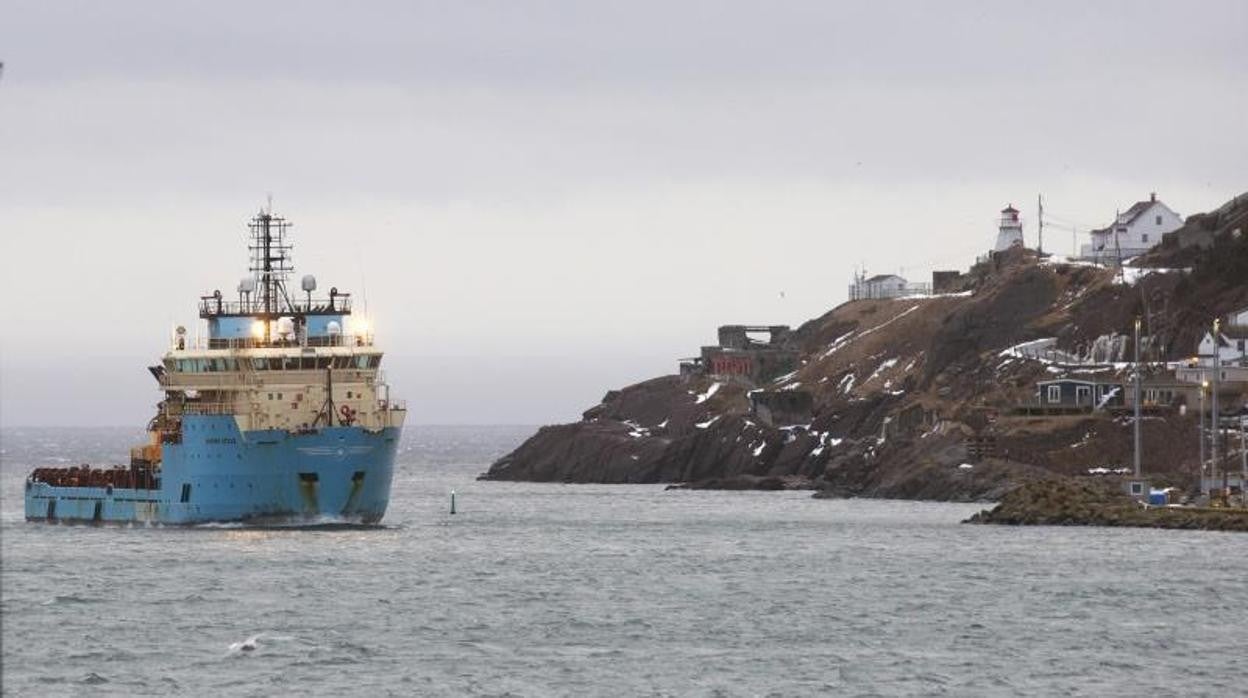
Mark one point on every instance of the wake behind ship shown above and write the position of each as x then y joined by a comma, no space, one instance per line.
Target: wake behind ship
281,416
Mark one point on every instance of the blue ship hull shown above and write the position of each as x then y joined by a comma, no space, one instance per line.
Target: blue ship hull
221,474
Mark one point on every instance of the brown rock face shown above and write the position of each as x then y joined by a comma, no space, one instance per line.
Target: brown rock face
901,387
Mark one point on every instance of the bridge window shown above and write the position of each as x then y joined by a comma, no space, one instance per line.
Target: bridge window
275,363
324,362
342,362
186,493
292,363
259,364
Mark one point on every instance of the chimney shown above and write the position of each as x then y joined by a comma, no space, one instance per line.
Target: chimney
1152,196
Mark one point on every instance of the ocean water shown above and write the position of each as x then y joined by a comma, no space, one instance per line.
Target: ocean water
540,589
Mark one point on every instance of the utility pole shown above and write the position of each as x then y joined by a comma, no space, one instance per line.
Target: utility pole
1217,369
1204,385
1118,246
1136,369
1040,221
1243,462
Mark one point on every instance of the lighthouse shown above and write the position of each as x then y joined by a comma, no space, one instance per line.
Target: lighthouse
1010,231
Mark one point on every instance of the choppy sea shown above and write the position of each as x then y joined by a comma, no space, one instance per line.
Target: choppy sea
546,589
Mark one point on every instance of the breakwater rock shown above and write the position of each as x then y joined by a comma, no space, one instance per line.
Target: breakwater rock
1092,503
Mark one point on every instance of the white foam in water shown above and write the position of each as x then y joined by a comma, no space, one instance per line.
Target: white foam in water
251,644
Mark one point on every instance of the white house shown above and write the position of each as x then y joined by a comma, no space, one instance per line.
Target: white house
885,286
1009,230
1231,343
1134,232
1231,347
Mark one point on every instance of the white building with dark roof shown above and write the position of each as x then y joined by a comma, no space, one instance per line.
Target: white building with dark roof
1134,232
1231,344
885,286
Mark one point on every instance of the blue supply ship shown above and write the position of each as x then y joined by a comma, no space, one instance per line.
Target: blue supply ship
281,416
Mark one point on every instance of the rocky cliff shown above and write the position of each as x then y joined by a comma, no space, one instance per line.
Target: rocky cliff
918,397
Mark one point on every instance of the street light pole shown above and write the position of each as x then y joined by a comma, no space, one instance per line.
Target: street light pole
1217,369
1204,385
1243,461
1136,368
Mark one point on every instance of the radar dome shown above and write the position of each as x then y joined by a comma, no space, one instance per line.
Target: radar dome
247,285
285,326
309,283
333,328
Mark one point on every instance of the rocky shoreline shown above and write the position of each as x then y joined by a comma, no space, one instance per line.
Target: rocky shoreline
1083,503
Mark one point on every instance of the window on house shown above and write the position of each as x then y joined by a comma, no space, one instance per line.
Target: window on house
1083,394
1144,237
1158,220
1055,393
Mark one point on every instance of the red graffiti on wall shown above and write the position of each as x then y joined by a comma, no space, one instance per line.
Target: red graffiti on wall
731,365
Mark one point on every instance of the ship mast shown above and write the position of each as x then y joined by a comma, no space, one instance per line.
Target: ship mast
271,264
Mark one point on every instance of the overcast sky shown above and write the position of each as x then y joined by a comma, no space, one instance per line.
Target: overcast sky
542,200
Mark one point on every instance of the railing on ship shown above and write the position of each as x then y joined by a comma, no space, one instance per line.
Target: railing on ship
201,343
212,306
209,408
231,408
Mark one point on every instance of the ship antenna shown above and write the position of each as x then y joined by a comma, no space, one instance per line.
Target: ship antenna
271,264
